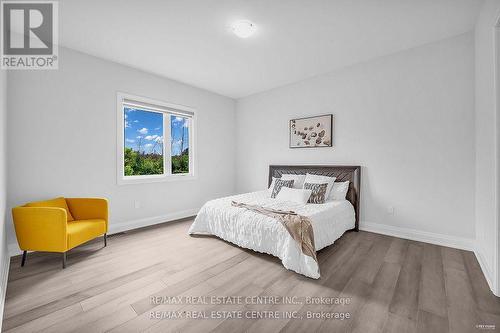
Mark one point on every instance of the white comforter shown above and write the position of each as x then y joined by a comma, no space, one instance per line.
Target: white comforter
264,234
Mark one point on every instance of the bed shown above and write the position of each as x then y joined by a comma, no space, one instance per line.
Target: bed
330,220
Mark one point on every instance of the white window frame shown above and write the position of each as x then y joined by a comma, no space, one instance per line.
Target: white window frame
168,109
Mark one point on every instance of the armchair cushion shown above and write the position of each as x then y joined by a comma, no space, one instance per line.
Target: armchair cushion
56,203
81,231
41,228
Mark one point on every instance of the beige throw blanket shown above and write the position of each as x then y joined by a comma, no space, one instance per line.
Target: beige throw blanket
298,226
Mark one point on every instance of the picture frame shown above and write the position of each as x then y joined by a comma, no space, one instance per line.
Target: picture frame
311,132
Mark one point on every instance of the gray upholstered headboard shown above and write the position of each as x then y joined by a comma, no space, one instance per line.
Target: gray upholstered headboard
351,173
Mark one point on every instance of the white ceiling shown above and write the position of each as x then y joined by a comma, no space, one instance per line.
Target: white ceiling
190,40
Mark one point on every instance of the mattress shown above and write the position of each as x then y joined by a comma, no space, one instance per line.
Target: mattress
266,235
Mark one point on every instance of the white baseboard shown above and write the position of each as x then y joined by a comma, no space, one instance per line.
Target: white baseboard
13,250
487,271
117,227
418,235
4,276
438,239
145,222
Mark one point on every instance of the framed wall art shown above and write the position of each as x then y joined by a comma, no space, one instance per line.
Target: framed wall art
311,132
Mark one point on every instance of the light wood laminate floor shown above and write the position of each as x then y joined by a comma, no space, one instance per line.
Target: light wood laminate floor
394,285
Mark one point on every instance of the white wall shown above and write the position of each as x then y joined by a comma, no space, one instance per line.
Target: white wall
497,84
486,141
4,258
407,119
62,139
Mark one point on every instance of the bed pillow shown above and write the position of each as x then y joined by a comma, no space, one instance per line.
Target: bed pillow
278,184
339,191
298,180
271,187
318,192
300,196
317,179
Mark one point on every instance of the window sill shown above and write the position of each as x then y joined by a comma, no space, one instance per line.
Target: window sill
155,179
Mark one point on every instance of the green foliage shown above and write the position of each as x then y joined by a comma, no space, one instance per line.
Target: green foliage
137,164
180,163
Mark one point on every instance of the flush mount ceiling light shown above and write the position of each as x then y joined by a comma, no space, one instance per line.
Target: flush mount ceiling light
243,28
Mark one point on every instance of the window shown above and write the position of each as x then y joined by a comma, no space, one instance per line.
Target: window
179,134
143,145
155,140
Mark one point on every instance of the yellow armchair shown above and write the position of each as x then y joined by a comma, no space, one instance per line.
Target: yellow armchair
59,225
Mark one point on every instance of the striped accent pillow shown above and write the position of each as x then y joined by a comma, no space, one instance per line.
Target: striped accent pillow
318,194
279,184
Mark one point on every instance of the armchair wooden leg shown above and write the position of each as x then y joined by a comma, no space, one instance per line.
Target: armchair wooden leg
105,240
64,260
23,260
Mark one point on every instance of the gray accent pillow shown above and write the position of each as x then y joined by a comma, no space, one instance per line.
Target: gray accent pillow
279,184
318,194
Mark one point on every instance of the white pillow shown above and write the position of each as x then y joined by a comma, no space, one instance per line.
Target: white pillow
294,194
317,179
339,191
298,180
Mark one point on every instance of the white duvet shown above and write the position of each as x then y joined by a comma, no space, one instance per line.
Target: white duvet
264,234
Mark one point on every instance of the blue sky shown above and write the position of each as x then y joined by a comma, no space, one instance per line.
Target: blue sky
144,129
